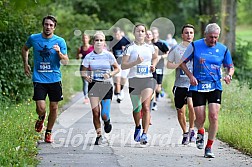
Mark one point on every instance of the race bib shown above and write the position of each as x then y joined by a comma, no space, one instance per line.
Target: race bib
118,53
206,86
159,71
44,67
98,75
142,69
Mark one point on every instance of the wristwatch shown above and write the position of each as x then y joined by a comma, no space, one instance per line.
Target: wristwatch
230,76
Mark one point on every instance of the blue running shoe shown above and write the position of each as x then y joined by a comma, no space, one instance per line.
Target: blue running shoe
143,139
192,138
185,140
137,134
200,141
208,153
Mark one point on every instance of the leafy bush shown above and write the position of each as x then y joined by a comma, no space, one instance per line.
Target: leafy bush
241,62
14,30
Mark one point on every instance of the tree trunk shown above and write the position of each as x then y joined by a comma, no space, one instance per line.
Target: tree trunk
207,13
228,23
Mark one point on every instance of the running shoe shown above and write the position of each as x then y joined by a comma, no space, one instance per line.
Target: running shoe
39,124
98,140
48,137
137,134
107,126
143,139
185,139
162,93
200,141
192,138
208,153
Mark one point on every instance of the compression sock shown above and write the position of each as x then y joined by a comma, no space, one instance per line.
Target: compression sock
105,112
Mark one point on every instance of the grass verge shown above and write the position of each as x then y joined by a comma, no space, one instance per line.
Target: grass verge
18,138
235,117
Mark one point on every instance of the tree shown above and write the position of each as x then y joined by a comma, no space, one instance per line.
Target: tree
228,23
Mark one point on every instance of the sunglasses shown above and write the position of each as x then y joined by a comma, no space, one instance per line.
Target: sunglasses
99,40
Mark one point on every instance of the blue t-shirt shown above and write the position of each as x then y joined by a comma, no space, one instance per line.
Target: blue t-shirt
46,60
207,63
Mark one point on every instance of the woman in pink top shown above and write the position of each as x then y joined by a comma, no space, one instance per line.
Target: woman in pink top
81,53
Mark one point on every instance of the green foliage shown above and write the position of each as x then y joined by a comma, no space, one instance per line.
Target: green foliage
14,85
235,118
244,12
241,61
18,137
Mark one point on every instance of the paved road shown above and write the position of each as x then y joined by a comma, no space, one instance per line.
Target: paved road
74,137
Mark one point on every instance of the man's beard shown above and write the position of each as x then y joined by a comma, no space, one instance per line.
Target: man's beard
47,33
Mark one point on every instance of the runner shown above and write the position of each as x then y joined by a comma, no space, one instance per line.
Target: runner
81,53
117,46
149,39
96,70
180,90
208,56
162,55
49,51
141,59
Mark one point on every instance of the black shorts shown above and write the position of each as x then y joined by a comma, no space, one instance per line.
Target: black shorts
158,77
103,90
180,96
137,85
200,98
53,90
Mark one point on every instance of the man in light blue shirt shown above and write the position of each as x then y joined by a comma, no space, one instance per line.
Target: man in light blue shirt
49,51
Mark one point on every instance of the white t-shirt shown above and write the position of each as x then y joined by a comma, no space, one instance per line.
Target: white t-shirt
175,56
99,64
145,51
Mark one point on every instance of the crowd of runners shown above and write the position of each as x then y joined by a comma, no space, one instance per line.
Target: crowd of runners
140,63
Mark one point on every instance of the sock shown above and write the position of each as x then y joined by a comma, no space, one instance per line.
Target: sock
138,127
122,87
157,94
201,131
48,131
41,117
105,108
209,143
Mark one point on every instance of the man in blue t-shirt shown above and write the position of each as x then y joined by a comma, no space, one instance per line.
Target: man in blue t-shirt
49,51
208,56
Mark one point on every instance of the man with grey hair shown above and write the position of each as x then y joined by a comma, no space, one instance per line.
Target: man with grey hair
208,56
